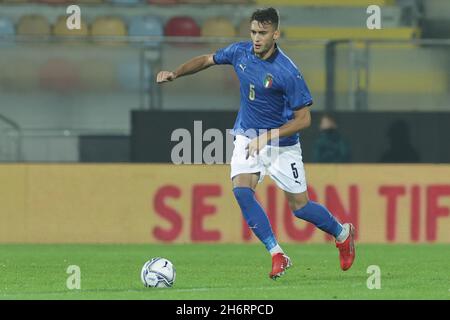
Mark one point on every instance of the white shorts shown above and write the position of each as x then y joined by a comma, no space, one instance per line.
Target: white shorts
283,164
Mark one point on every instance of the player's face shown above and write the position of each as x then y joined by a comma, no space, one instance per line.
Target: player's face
263,37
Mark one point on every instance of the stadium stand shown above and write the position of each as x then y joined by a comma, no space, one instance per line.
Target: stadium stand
404,76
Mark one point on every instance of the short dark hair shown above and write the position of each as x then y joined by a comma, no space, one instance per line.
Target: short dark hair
266,15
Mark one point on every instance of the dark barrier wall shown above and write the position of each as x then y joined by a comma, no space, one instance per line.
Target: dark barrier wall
104,148
369,134
152,131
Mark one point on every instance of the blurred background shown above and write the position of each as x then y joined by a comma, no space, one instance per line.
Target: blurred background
89,95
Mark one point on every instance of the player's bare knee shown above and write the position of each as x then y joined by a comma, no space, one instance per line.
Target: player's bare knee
248,180
297,202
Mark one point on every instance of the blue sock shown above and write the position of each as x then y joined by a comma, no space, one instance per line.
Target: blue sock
255,216
320,217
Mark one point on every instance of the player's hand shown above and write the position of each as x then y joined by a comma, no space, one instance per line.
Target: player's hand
256,145
165,76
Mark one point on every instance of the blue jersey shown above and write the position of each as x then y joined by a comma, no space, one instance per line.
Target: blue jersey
270,89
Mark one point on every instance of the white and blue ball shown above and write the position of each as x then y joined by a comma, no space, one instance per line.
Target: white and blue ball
158,273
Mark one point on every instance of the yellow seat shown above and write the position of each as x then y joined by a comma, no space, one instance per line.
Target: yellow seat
109,27
33,25
218,27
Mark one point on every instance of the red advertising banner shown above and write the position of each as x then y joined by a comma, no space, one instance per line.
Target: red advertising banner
195,203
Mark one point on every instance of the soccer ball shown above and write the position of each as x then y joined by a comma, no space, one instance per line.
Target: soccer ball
158,273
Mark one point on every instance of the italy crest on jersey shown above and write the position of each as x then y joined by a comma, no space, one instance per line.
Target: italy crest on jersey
268,80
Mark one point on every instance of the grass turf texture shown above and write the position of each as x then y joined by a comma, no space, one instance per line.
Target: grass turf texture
224,272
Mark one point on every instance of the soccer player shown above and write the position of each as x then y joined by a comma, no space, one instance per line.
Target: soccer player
274,107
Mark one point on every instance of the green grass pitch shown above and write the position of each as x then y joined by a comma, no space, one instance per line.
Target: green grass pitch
224,271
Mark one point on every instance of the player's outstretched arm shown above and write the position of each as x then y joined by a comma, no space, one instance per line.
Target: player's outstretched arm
190,67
